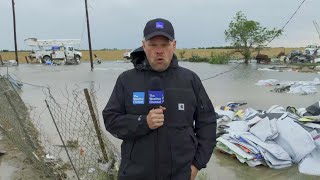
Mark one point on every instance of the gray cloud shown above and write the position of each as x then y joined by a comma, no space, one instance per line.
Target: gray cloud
119,23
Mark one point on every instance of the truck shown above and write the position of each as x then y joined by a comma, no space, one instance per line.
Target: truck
311,49
53,50
127,54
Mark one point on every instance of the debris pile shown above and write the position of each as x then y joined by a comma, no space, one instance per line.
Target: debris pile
277,137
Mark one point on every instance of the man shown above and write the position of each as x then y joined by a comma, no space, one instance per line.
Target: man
171,140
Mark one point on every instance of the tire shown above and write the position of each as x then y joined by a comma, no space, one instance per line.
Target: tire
77,59
295,60
45,59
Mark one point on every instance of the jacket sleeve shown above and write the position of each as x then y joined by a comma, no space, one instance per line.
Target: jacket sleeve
120,124
205,126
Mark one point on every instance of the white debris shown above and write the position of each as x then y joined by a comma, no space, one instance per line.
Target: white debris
91,170
267,82
104,167
50,158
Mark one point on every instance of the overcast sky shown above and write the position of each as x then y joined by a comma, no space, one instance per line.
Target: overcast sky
119,23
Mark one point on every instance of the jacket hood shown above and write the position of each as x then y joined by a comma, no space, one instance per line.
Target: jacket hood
140,62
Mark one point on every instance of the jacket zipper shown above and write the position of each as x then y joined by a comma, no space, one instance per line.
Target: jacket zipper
157,155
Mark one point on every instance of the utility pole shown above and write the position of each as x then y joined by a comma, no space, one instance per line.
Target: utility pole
317,27
15,33
89,37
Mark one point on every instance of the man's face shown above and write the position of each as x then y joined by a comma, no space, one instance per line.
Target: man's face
159,51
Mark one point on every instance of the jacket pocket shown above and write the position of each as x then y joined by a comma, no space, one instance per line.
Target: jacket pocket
126,149
193,137
138,161
130,170
180,107
183,148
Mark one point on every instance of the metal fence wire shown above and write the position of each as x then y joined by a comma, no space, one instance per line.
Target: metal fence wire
16,124
68,132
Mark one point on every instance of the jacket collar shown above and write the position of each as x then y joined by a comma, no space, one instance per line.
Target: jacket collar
140,62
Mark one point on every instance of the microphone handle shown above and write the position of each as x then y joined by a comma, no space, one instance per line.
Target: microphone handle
155,106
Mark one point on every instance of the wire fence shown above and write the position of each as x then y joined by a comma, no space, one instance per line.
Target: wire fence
17,126
67,131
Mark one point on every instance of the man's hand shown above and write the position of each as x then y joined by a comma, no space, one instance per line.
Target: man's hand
194,172
155,118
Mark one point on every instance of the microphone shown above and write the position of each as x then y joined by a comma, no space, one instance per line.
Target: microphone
156,93
156,84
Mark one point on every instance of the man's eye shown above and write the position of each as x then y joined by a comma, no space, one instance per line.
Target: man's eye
165,45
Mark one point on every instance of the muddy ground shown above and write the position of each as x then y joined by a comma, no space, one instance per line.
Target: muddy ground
14,164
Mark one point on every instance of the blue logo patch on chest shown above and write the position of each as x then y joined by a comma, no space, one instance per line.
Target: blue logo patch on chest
156,97
138,98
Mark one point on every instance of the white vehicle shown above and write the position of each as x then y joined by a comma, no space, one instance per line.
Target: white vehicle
310,49
53,50
127,54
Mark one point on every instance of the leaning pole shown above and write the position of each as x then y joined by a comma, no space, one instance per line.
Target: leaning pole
15,32
89,37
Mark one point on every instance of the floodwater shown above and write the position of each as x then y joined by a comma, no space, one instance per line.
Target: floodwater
6,170
237,85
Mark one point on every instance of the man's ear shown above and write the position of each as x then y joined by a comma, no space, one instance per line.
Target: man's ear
174,44
143,44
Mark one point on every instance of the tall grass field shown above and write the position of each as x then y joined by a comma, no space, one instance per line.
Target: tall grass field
181,53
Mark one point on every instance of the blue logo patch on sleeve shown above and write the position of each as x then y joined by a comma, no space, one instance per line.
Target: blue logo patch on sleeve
156,97
138,98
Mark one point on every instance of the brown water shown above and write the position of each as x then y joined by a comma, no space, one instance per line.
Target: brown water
237,85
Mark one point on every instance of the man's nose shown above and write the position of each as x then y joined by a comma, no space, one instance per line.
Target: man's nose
159,50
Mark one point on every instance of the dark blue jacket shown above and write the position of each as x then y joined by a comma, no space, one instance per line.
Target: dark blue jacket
187,136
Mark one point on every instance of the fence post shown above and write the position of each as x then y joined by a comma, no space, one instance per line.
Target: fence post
1,59
26,59
96,126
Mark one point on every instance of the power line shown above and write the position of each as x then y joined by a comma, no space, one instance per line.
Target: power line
287,22
232,69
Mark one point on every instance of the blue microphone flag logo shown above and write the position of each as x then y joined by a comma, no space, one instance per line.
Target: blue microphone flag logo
156,97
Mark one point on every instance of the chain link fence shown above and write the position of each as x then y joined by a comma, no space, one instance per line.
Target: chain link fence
64,140
17,126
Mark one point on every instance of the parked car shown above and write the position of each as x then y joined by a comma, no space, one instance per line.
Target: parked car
127,54
311,49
